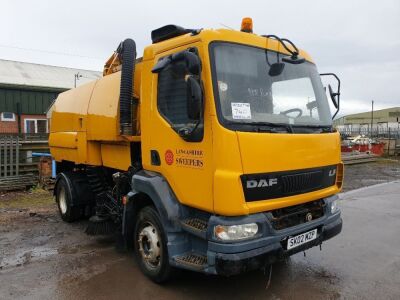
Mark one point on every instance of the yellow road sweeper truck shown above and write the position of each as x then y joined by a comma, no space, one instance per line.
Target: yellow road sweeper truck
213,152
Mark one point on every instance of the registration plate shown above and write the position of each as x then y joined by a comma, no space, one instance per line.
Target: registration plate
301,239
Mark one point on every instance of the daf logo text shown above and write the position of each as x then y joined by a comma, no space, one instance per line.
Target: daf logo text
261,183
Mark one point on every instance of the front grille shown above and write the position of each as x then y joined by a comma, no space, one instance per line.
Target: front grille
291,216
301,182
275,185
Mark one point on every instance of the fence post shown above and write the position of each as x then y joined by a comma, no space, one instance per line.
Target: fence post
0,156
17,157
5,157
12,156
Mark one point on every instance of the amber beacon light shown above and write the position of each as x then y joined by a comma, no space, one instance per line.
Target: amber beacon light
247,25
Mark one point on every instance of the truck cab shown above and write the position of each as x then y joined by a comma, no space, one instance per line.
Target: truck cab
232,162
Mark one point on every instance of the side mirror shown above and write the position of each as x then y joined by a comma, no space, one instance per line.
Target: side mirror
192,62
276,69
335,96
194,98
161,64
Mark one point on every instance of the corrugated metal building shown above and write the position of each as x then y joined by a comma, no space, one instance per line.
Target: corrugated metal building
382,119
27,90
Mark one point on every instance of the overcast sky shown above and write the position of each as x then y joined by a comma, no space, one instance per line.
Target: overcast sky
358,40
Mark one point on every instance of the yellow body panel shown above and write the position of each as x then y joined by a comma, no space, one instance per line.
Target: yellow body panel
282,152
69,112
67,140
84,124
206,174
102,114
116,156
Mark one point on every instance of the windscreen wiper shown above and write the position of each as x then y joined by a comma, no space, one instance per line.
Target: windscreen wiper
288,127
324,128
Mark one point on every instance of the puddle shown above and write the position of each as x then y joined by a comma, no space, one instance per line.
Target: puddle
25,256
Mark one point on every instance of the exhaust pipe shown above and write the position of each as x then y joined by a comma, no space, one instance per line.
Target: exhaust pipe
127,55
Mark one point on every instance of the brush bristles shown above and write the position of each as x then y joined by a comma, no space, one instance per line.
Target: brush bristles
105,227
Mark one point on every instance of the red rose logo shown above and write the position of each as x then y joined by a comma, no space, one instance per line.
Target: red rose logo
169,157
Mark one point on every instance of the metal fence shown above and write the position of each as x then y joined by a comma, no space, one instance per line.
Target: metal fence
390,137
9,156
27,136
18,167
388,133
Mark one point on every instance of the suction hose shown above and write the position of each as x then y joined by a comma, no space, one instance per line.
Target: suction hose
127,52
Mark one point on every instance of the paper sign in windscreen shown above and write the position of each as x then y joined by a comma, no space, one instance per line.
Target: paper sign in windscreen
241,111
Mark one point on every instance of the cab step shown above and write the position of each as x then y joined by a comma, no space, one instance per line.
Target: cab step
195,226
192,260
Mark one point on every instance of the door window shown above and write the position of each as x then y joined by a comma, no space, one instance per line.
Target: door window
172,94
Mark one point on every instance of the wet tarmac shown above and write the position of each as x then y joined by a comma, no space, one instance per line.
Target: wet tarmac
48,259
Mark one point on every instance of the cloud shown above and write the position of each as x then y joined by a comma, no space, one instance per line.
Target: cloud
357,40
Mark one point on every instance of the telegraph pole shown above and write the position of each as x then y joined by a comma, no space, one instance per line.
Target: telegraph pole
372,116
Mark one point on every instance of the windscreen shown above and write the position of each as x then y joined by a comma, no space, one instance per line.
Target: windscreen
249,93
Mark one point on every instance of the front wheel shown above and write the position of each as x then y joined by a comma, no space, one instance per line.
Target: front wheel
151,246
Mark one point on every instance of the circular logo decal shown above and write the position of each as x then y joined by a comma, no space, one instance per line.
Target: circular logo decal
169,157
308,217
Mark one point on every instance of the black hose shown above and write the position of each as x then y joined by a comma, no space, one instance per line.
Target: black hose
127,51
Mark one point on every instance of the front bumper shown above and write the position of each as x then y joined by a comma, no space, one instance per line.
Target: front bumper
268,246
231,264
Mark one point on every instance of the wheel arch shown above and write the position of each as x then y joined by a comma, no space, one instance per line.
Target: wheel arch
149,188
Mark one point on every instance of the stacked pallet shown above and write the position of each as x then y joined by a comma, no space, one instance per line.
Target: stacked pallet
19,182
358,158
47,183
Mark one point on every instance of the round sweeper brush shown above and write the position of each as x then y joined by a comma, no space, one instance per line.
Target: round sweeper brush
100,226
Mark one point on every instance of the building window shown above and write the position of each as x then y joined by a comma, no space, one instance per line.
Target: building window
7,116
35,126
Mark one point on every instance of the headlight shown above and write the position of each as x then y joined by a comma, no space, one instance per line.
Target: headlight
334,206
235,232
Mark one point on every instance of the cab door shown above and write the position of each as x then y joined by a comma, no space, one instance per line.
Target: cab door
181,147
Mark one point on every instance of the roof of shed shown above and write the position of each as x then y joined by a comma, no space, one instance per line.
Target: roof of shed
23,74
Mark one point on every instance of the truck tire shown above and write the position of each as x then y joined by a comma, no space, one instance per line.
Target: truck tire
68,212
150,246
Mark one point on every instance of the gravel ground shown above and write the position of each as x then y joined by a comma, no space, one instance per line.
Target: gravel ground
362,175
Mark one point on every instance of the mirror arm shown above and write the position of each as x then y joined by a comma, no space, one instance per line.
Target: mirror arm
334,75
